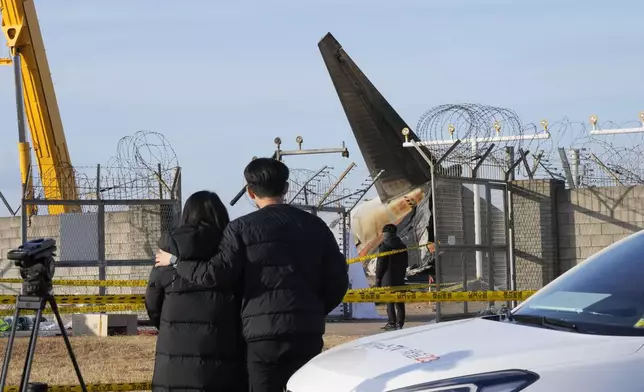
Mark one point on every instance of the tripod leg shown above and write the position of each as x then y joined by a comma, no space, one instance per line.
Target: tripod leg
9,348
72,356
32,349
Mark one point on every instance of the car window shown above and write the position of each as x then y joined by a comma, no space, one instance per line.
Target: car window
602,295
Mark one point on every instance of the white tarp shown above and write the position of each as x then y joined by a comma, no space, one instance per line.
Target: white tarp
358,280
78,237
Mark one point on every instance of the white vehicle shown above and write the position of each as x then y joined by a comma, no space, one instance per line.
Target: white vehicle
582,332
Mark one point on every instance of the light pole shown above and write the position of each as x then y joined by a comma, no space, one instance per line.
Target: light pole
279,153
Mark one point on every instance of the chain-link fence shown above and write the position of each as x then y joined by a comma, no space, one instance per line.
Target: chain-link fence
322,193
472,233
109,239
339,225
471,224
104,234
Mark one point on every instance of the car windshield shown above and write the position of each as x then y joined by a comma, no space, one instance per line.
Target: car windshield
602,295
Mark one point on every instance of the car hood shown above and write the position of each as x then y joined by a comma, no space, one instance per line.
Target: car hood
439,351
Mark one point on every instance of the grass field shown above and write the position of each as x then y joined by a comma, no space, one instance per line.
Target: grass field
102,360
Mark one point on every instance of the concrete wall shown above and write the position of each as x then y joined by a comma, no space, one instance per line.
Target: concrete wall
589,219
129,235
557,228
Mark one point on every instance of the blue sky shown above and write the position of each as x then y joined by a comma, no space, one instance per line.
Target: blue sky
221,79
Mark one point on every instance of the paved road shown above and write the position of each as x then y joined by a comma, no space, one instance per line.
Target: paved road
370,327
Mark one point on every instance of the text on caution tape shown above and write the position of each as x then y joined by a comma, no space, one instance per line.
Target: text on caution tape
351,296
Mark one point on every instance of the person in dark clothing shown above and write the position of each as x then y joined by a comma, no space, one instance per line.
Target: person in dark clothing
391,271
200,346
290,269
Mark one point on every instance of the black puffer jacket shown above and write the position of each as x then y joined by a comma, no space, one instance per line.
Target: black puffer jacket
200,346
391,270
290,268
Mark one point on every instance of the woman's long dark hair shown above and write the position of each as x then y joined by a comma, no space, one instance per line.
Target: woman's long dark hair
205,208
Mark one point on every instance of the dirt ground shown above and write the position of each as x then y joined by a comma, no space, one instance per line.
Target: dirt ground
102,360
131,358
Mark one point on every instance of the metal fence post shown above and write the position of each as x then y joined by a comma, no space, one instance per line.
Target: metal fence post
437,256
512,278
160,179
179,195
464,253
102,268
175,194
347,225
490,243
509,199
348,308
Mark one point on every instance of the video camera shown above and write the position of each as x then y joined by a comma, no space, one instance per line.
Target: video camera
36,261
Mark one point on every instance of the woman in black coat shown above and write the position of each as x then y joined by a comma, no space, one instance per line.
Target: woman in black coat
200,346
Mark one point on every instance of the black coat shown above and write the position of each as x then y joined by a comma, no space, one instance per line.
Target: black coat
289,266
199,347
391,270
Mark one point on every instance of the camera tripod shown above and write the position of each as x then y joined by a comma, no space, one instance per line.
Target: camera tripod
37,303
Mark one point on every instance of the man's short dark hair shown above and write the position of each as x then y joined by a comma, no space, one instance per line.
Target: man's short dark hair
266,177
390,228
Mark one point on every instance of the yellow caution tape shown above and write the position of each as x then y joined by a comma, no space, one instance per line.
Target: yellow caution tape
143,283
124,386
440,296
389,253
10,280
351,296
93,283
86,299
419,286
409,287
101,308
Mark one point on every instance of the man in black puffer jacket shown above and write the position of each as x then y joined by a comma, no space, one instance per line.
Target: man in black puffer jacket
289,268
391,271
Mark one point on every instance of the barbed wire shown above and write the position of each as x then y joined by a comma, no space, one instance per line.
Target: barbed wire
144,152
305,187
473,121
604,160
308,187
144,167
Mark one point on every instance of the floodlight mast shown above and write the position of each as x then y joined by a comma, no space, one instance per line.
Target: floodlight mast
474,143
279,153
618,131
595,131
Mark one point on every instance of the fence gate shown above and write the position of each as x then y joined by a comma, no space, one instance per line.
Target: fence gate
109,232
473,250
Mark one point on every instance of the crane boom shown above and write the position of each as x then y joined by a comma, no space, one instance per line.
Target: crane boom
22,32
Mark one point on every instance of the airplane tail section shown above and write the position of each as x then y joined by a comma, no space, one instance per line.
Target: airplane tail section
376,126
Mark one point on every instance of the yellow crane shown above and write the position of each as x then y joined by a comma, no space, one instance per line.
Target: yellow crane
37,99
